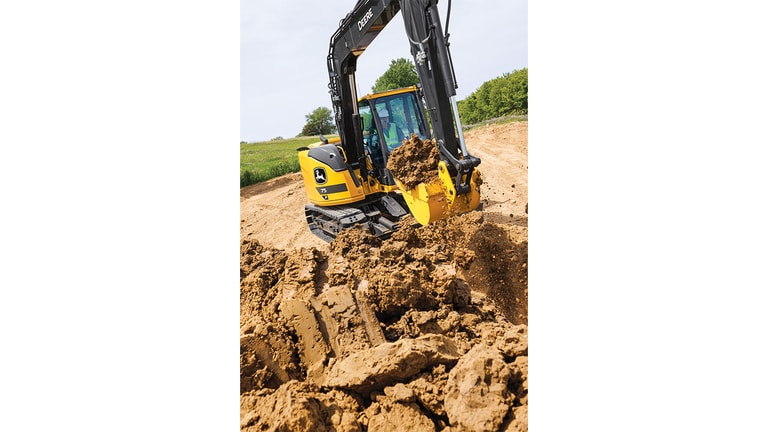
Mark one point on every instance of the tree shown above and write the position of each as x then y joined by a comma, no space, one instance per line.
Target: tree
319,121
401,73
501,96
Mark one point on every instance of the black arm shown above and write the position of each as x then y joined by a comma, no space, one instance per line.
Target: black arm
356,31
433,64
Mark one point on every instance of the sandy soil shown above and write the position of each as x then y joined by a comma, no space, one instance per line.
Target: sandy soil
426,331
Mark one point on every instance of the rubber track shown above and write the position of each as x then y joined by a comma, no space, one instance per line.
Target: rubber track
375,217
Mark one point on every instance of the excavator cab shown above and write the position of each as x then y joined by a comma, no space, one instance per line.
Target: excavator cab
387,119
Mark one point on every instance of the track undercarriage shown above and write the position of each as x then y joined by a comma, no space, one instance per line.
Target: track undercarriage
379,216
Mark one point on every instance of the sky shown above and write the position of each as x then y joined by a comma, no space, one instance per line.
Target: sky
284,46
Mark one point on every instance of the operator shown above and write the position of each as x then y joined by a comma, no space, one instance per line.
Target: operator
392,132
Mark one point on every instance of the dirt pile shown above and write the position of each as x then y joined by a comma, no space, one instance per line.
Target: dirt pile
414,162
425,331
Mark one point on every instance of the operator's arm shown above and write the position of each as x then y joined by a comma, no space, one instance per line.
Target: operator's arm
401,134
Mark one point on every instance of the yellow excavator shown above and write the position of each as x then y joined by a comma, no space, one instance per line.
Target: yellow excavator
346,179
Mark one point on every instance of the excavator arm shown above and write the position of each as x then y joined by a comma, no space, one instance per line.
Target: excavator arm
430,51
356,31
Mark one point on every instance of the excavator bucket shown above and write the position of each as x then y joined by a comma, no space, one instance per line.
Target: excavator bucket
437,199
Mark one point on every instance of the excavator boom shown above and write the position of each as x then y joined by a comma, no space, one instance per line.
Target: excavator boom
431,54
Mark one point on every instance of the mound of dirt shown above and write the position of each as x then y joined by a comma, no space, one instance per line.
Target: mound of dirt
429,326
425,331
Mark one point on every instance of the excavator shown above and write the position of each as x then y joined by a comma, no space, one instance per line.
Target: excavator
346,178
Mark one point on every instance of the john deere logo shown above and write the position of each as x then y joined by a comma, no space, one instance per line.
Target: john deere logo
320,177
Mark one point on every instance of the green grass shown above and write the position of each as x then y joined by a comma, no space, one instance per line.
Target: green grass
261,161
498,120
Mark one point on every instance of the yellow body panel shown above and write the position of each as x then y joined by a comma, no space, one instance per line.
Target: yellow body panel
338,187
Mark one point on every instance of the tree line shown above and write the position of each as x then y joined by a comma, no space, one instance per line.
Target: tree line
500,96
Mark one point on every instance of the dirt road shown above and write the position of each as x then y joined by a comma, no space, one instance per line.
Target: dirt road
426,331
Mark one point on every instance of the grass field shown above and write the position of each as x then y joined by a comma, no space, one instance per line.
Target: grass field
261,161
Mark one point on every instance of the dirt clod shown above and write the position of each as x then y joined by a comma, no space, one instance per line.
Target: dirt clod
414,162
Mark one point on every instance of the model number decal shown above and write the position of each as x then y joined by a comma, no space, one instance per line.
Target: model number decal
341,187
364,20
